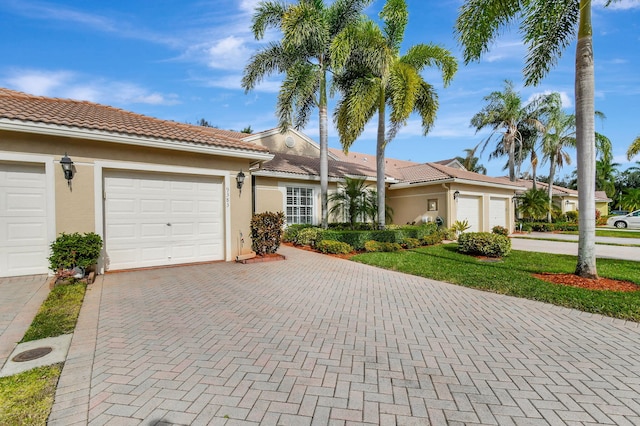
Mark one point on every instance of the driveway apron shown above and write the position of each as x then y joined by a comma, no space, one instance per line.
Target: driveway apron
20,299
315,340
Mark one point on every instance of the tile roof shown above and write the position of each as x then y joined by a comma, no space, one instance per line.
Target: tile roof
310,166
559,191
430,172
392,165
88,115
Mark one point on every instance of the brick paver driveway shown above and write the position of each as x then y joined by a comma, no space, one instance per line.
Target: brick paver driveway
318,340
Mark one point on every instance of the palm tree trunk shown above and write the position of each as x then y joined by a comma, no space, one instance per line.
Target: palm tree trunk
324,148
512,161
380,146
552,172
585,141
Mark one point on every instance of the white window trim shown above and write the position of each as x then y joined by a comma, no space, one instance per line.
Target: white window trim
315,218
98,184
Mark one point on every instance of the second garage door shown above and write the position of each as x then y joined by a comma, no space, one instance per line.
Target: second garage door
498,212
469,210
154,219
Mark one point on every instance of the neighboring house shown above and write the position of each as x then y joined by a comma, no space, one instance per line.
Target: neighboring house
417,192
565,198
158,192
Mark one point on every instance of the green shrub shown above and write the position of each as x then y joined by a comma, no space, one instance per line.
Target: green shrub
484,244
71,250
447,234
266,232
334,247
460,226
381,246
542,227
393,234
290,234
432,239
410,243
500,230
309,236
572,216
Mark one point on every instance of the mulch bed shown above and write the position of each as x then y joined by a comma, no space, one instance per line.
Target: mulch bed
589,284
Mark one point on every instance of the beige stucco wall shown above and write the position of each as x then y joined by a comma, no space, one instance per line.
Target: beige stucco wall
275,142
411,204
271,193
75,211
602,207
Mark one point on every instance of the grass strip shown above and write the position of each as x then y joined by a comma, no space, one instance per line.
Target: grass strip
26,398
58,314
513,276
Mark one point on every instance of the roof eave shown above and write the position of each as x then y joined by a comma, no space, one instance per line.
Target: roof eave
99,135
294,176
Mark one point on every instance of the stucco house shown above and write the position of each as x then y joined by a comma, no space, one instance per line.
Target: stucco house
417,192
158,192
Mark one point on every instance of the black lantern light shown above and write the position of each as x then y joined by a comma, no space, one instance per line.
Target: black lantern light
240,179
67,167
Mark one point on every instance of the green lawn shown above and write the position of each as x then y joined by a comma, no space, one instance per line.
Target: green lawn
513,276
26,398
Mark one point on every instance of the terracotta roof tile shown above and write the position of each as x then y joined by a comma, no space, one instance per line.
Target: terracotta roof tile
88,115
310,166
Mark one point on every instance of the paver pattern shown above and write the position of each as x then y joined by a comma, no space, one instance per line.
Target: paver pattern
20,299
315,340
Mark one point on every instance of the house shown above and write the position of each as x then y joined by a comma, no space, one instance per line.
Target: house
417,192
157,191
565,198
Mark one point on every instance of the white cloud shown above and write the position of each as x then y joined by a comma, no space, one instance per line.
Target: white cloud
228,53
233,82
567,100
71,85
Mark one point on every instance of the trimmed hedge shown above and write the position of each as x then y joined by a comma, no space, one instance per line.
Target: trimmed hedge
547,227
484,244
500,230
357,239
333,247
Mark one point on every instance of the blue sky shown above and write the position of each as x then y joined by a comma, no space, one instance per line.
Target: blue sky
183,60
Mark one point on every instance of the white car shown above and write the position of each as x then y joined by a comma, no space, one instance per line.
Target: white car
631,220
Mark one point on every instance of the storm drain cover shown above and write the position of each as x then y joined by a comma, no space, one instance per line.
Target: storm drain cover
32,354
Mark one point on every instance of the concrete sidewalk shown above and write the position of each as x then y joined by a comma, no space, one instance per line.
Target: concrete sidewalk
567,244
315,340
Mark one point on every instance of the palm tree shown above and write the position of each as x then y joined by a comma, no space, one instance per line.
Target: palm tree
548,27
606,173
373,75
506,116
559,134
631,199
533,204
351,200
471,162
308,28
634,148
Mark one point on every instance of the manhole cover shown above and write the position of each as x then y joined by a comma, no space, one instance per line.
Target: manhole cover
32,354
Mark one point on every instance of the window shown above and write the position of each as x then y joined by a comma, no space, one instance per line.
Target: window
299,205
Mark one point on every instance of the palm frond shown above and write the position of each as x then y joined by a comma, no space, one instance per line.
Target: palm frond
297,95
634,148
548,27
267,15
395,16
420,56
272,59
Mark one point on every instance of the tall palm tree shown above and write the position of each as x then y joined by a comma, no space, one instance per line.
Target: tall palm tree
634,148
471,162
559,134
373,76
302,55
606,173
506,116
532,204
548,27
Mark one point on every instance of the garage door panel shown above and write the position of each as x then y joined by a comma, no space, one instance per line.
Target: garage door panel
24,242
166,226
468,209
498,212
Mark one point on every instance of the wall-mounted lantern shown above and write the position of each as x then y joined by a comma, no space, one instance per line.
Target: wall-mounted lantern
240,179
67,167
456,195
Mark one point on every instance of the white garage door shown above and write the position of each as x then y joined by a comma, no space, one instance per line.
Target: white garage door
469,210
498,212
154,219
24,246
